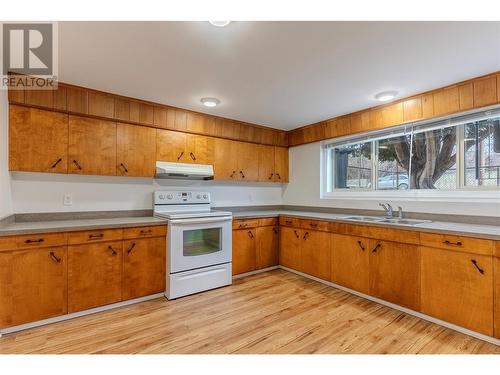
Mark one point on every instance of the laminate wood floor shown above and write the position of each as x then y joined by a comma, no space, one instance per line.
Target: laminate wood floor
271,312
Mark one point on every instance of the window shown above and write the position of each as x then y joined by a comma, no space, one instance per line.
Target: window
457,153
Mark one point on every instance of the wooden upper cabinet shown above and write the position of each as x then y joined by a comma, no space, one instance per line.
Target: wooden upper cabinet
466,96
160,117
386,116
395,273
247,161
135,150
146,114
244,250
144,265
458,288
94,275
91,146
33,285
360,122
122,109
280,164
446,101
351,262
485,91
412,109
225,162
171,146
41,98
77,100
266,163
267,253
100,104
427,105
38,140
316,254
199,149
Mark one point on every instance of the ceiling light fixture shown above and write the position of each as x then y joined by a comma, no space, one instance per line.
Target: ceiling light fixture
219,23
210,102
386,96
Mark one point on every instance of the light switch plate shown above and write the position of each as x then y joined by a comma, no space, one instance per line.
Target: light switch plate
68,199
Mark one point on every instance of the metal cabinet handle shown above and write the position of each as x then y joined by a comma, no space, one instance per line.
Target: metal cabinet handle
296,234
305,236
124,167
77,165
34,241
57,162
275,231
96,236
54,257
313,225
242,174
271,176
278,175
376,248
145,231
474,262
458,243
180,156
361,245
289,222
250,234
243,225
113,251
192,156
131,248
232,174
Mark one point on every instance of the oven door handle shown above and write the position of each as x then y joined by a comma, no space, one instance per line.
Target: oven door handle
219,219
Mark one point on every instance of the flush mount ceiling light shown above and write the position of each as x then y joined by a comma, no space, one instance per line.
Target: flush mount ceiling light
210,102
386,96
219,23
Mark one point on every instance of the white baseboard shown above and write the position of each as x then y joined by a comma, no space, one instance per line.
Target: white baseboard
62,318
239,276
417,314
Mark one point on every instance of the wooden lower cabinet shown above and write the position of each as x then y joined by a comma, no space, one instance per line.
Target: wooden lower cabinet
315,254
244,250
351,262
395,273
267,246
144,265
33,285
94,275
496,313
290,242
458,287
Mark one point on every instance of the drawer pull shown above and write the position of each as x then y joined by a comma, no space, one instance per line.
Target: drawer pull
33,241
296,234
305,236
57,162
313,225
232,174
96,236
243,225
376,248
361,246
145,231
180,155
242,174
113,251
131,248
275,231
458,243
77,165
271,176
288,222
54,257
192,156
278,175
250,234
124,167
474,262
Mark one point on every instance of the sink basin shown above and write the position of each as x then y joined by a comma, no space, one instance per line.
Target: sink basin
405,221
363,218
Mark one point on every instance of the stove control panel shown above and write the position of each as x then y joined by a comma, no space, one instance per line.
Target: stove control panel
181,197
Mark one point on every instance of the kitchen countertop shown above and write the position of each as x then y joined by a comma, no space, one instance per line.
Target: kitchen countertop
475,230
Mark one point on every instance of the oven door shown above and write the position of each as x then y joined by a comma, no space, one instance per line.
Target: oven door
196,243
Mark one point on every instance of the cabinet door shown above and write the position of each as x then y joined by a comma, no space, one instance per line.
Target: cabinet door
171,146
225,159
281,164
199,149
350,262
92,146
497,295
143,267
395,273
267,247
38,140
458,288
244,250
266,163
290,244
33,285
94,275
248,161
135,150
315,254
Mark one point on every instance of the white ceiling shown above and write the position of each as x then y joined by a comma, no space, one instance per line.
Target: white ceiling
280,74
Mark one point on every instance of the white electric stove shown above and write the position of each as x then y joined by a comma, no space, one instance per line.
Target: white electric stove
199,241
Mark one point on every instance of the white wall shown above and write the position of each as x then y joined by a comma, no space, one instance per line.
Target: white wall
304,189
5,198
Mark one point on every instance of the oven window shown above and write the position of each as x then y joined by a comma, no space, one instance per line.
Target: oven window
201,241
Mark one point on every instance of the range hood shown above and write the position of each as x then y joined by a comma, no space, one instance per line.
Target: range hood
184,171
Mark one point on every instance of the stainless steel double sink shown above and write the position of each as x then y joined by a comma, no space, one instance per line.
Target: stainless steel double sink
380,219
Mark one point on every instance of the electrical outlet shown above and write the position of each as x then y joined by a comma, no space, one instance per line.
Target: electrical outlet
68,199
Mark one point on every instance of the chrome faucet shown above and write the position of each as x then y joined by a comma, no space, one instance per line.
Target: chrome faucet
400,212
388,210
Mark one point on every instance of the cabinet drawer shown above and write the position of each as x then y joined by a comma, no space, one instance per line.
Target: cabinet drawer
98,235
33,240
288,221
144,232
268,221
314,225
245,223
378,233
457,243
